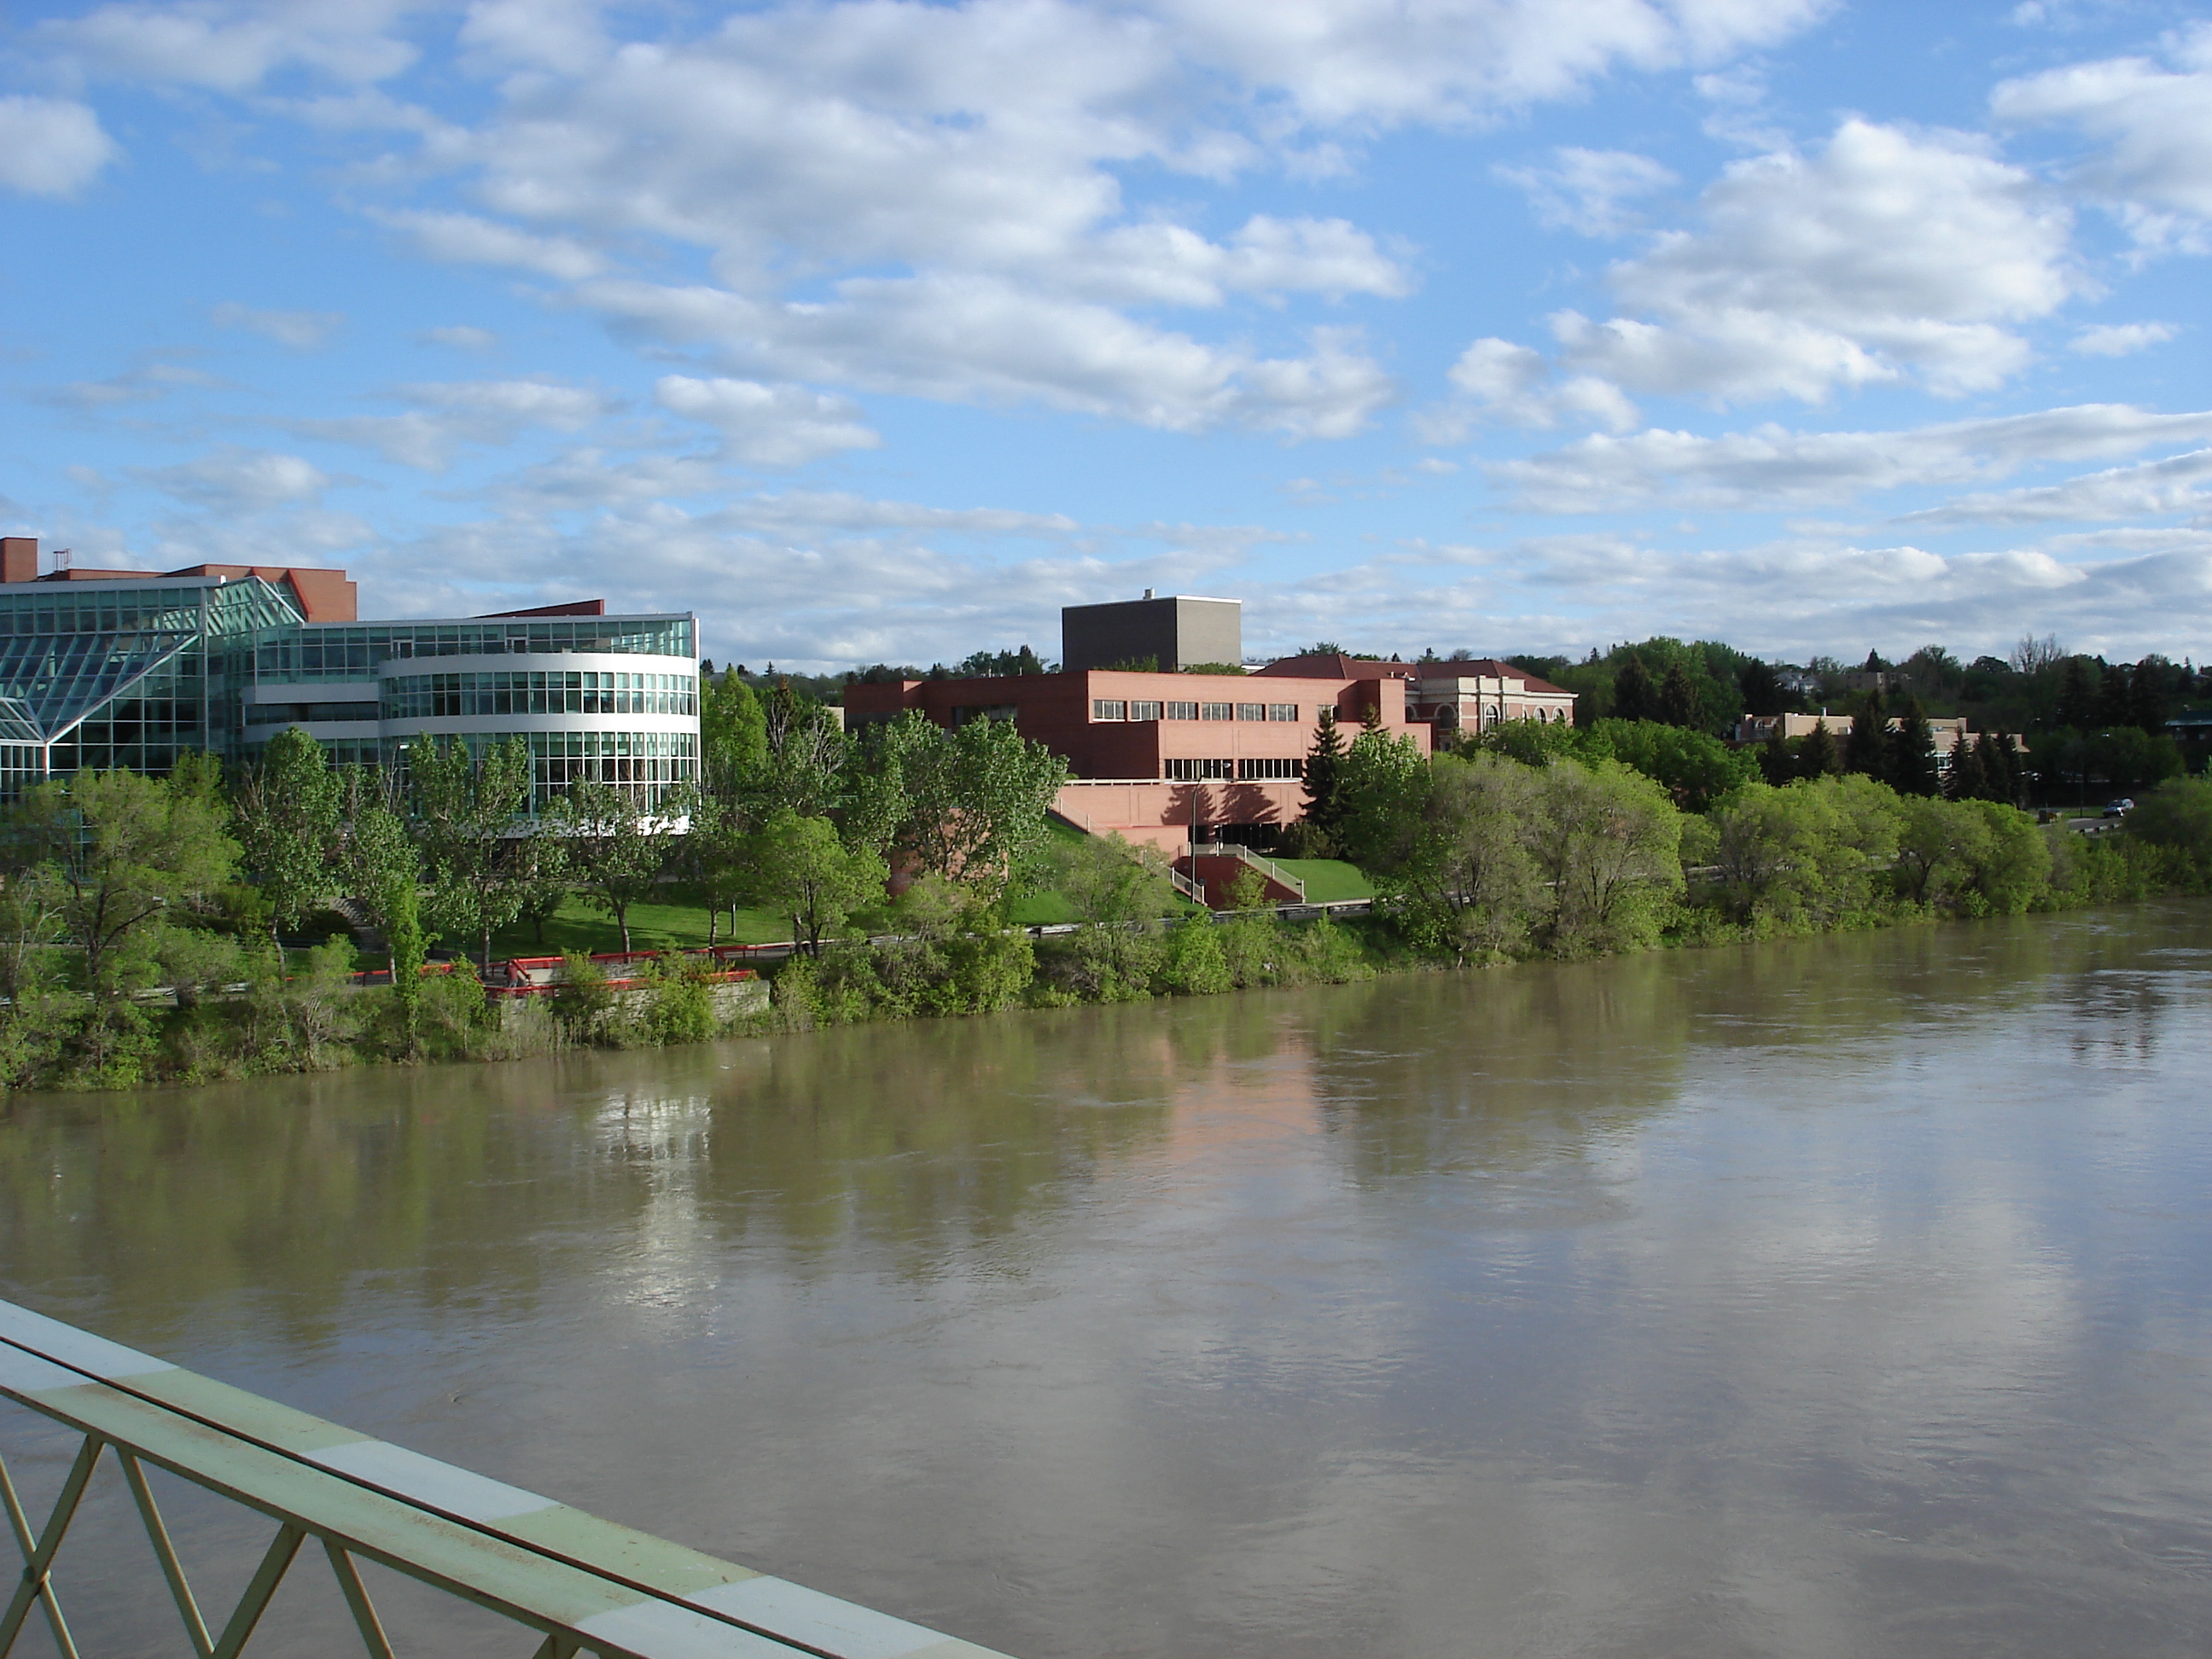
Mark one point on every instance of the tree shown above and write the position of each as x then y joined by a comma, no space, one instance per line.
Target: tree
1697,769
1912,766
615,850
1634,697
975,798
2116,695
384,871
1869,753
544,877
732,736
801,868
464,810
2147,694
1816,753
1383,782
1967,779
1930,841
1324,782
2033,656
2077,696
1678,697
2177,814
1609,841
1762,690
125,848
807,754
1462,860
285,819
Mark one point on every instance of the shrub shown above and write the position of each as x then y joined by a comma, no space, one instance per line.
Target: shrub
581,999
1191,963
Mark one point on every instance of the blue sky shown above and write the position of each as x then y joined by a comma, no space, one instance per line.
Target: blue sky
883,331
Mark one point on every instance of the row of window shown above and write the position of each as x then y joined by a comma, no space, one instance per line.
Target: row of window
420,696
339,651
1119,708
1263,769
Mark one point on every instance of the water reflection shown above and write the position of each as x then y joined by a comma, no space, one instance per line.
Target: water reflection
1835,1296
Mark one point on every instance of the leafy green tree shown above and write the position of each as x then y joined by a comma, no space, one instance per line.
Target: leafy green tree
2178,816
1609,841
1934,843
466,810
732,736
1121,890
1782,854
381,867
1462,863
2007,863
286,817
803,869
615,850
1695,768
545,876
806,761
1382,780
975,798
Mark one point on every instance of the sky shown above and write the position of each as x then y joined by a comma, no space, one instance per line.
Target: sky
881,330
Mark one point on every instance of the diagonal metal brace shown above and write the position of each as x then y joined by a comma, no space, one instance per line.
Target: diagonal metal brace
38,1559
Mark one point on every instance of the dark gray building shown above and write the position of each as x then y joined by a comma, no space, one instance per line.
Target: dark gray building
1173,633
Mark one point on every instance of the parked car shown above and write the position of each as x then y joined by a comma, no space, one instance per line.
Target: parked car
2120,808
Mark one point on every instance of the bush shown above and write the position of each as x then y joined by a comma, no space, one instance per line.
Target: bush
581,999
1191,963
453,1017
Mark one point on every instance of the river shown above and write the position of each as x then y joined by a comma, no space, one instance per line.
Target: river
1847,1296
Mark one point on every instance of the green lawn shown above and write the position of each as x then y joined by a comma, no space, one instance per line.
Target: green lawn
1329,880
658,926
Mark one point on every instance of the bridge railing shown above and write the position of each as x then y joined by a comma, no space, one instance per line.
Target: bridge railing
584,1585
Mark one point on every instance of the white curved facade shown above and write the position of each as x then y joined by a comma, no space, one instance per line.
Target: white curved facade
625,716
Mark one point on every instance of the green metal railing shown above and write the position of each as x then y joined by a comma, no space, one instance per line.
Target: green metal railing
582,1584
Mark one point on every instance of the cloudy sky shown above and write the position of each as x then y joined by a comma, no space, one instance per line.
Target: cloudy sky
881,329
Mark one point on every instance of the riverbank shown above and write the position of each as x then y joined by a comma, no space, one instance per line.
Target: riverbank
312,1019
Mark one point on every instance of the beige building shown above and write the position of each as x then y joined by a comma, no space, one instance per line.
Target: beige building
1477,694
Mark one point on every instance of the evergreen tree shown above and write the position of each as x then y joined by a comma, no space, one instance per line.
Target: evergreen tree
1869,749
1912,766
1777,764
1816,752
1678,698
2006,770
1634,697
2116,696
2147,694
1324,781
1762,688
2077,696
1966,779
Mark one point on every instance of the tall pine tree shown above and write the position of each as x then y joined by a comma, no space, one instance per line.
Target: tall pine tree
1634,697
2077,696
1816,752
1912,766
1324,783
1678,697
1869,749
1965,780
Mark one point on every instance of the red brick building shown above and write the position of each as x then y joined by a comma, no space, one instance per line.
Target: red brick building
1156,754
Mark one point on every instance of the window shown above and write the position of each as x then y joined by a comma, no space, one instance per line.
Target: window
1324,709
1283,711
1251,711
1108,708
1216,711
1251,770
1144,711
1198,771
1181,711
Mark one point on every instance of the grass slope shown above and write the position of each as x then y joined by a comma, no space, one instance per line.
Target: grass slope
1329,880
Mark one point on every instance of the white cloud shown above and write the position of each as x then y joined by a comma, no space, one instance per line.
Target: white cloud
1891,252
2174,485
1590,191
770,425
240,480
143,382
988,341
232,45
459,336
1772,466
467,239
449,415
2119,340
299,330
51,146
1510,385
2154,122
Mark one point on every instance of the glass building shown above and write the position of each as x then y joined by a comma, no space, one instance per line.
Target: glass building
132,669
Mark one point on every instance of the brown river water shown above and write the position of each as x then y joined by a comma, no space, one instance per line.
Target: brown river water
1849,1297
